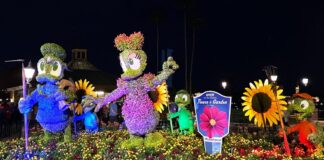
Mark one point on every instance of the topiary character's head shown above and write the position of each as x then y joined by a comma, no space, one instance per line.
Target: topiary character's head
88,103
303,105
51,67
132,57
182,98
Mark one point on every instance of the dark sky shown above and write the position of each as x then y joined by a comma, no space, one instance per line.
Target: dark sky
234,42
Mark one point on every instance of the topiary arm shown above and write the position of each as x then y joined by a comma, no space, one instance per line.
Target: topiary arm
78,118
293,128
25,105
168,68
114,95
173,115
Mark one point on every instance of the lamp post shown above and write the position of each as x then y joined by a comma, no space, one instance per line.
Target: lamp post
304,81
27,74
271,72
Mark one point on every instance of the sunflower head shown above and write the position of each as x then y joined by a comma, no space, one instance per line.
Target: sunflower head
83,88
160,97
302,105
260,103
182,98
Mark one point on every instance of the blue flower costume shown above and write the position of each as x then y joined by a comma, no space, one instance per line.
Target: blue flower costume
89,118
52,108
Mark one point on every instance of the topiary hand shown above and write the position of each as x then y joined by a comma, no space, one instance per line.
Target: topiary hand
23,106
170,64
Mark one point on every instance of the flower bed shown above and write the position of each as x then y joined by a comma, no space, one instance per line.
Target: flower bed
107,145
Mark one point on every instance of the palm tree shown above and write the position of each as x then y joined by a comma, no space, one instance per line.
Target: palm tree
157,17
186,5
195,23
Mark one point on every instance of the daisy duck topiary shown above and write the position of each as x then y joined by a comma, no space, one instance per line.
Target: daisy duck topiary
52,111
138,109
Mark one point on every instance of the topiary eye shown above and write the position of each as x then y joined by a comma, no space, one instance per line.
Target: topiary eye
55,66
304,104
184,97
42,66
56,69
130,61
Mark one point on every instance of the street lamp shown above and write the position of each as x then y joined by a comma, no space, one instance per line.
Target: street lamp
224,84
27,74
271,72
305,81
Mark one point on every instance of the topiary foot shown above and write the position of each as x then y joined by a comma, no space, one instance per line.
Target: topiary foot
68,134
153,140
47,136
133,142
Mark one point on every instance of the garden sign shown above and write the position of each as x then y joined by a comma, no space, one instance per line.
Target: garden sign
213,112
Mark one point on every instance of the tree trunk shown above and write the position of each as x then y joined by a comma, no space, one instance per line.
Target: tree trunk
185,47
192,58
157,46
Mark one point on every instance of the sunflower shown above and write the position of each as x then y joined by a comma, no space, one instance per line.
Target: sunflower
83,88
260,103
160,97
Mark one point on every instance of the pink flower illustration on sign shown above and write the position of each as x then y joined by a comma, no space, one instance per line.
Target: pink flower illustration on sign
213,121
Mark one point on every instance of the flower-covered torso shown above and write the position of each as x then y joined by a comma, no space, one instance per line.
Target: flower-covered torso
49,114
138,110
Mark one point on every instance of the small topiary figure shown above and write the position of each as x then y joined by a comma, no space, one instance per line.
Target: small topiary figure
90,119
310,135
186,123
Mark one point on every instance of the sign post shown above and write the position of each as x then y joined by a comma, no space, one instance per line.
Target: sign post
213,112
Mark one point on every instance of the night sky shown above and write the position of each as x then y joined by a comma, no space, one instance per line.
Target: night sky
234,39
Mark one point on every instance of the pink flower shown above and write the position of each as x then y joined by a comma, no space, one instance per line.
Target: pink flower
213,121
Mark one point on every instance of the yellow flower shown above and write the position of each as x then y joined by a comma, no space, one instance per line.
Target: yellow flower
83,87
162,97
260,103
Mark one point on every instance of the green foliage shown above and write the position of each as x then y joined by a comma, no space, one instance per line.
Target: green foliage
53,49
111,145
154,140
133,142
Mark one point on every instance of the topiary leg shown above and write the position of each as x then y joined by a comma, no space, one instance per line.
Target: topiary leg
67,133
153,140
191,130
47,136
133,142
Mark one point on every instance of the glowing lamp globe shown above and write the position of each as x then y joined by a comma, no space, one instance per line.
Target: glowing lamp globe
29,72
224,84
273,78
305,81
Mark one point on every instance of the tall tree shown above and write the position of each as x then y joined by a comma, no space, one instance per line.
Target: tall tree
157,16
186,6
195,23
